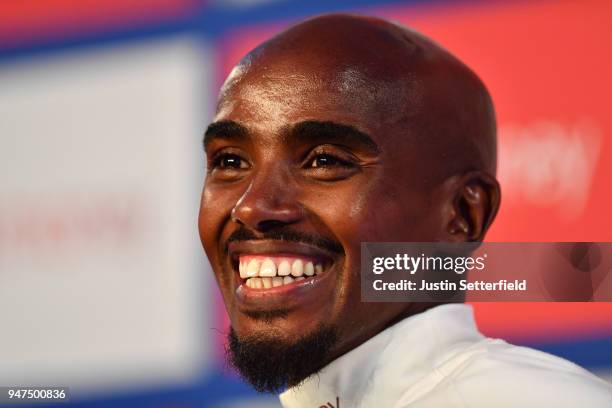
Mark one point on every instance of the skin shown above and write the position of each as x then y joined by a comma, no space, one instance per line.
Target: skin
429,177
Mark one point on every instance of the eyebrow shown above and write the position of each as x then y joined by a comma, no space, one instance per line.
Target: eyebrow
331,132
225,130
311,131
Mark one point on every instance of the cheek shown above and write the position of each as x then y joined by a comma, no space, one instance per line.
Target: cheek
339,207
375,212
206,216
215,208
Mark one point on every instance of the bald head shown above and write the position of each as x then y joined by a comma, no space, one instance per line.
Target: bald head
395,77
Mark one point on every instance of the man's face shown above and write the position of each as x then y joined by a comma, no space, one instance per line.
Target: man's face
305,162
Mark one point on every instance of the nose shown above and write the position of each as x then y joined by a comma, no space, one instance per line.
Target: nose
269,202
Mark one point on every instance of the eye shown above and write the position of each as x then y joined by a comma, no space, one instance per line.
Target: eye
229,161
328,160
329,163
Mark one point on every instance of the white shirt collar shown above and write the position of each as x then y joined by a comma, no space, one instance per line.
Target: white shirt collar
404,352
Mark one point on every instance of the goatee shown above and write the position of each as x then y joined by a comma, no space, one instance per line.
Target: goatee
272,364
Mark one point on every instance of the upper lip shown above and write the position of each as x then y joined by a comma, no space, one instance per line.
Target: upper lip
274,247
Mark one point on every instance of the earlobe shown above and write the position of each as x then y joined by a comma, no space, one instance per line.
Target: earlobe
475,205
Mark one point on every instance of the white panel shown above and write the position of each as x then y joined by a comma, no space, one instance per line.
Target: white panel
101,271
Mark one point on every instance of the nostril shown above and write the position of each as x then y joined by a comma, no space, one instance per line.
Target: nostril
263,212
267,225
235,218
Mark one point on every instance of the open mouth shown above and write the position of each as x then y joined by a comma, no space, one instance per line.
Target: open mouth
273,275
269,271
273,266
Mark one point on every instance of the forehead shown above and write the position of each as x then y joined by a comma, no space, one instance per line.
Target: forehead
266,95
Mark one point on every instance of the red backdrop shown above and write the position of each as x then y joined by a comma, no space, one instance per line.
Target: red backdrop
547,65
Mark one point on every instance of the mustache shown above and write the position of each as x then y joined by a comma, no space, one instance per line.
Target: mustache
285,234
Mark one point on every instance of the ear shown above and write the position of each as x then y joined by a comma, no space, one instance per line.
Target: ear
474,206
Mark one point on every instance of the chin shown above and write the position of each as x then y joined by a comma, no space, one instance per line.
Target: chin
271,363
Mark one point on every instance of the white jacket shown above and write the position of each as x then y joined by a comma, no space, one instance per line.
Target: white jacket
439,359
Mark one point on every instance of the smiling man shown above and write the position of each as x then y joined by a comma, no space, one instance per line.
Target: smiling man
342,130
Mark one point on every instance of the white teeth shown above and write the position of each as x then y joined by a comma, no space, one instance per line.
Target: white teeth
297,269
309,269
266,283
266,273
252,268
284,269
268,268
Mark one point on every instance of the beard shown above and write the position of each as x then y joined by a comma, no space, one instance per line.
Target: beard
271,364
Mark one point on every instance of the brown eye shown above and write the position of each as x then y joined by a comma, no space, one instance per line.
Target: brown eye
327,160
230,161
330,166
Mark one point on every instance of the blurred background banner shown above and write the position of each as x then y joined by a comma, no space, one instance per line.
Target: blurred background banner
103,283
